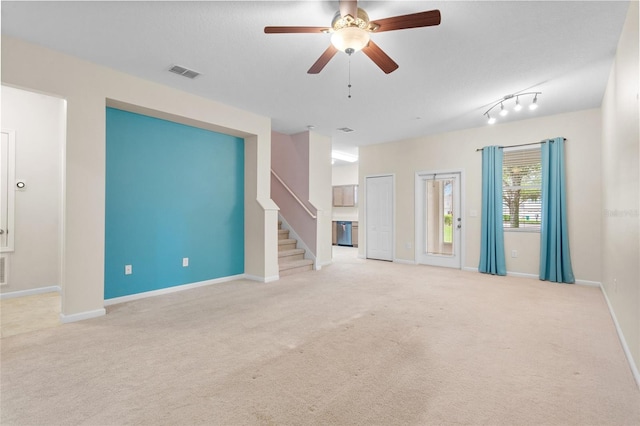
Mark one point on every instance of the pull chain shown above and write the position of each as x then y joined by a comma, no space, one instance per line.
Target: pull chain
349,78
349,51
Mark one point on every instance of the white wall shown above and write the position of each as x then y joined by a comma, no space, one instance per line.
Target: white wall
38,121
620,214
88,88
345,174
457,151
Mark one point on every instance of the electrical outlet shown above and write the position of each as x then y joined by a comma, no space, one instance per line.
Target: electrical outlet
128,269
185,261
514,253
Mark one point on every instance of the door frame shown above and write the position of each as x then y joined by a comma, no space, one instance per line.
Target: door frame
417,227
393,214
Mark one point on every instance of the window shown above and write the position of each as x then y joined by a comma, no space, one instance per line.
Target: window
521,189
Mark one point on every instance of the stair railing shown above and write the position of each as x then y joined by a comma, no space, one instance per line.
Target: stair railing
295,197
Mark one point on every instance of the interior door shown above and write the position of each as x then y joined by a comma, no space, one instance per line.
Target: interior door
379,217
439,222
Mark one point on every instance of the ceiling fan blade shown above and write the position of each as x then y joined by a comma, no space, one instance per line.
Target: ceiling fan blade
323,60
381,59
292,30
349,7
413,20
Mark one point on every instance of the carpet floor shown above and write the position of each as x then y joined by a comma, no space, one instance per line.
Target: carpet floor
359,342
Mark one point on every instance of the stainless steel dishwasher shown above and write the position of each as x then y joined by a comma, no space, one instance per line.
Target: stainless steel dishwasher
344,233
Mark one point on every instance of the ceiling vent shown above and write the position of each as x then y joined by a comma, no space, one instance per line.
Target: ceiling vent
345,129
185,72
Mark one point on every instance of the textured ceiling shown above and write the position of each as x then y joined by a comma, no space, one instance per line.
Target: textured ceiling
449,74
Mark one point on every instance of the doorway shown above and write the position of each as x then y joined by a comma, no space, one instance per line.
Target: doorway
33,265
379,217
438,219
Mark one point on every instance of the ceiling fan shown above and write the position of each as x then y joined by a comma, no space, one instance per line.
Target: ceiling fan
350,32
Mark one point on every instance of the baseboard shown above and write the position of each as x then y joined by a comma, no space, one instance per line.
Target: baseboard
623,341
589,283
168,290
469,269
65,319
30,292
261,279
404,261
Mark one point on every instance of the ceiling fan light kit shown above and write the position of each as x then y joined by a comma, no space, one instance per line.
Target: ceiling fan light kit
517,105
350,39
351,32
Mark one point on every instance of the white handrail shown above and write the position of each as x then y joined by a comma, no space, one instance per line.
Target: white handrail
292,194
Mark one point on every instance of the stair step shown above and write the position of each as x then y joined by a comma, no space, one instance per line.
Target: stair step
283,234
287,244
290,255
293,267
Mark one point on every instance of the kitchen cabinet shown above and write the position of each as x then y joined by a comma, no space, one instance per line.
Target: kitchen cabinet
334,233
345,196
354,234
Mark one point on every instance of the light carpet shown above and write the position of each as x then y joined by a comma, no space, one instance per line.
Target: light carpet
357,343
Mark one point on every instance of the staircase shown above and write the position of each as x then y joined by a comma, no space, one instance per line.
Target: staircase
290,259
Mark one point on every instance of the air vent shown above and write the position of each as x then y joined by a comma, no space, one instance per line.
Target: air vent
185,72
345,129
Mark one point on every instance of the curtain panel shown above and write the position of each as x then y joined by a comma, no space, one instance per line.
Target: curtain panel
555,258
492,234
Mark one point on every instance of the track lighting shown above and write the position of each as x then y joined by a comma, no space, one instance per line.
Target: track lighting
517,107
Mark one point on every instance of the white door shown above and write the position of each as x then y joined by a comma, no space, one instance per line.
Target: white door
7,167
438,219
379,217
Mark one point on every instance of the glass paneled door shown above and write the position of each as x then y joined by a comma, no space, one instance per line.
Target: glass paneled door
438,219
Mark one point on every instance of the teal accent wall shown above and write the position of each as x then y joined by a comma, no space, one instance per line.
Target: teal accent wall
172,191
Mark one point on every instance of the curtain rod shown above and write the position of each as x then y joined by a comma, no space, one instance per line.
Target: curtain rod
523,144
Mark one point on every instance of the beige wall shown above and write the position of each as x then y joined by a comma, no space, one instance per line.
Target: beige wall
39,123
620,213
457,151
320,194
87,88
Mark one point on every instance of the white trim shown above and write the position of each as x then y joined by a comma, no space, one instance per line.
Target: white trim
261,279
11,190
30,292
469,269
168,290
522,275
65,319
308,254
589,283
405,261
623,341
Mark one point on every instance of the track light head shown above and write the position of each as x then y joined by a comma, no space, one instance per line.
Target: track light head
503,111
534,104
518,107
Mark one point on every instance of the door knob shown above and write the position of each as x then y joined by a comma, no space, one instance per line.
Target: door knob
1,231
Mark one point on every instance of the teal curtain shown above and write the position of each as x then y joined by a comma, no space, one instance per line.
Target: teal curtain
555,259
492,235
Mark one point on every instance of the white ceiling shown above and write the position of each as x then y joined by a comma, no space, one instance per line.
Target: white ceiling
449,74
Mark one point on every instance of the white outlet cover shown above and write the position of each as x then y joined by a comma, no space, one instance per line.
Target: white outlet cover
185,261
128,269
